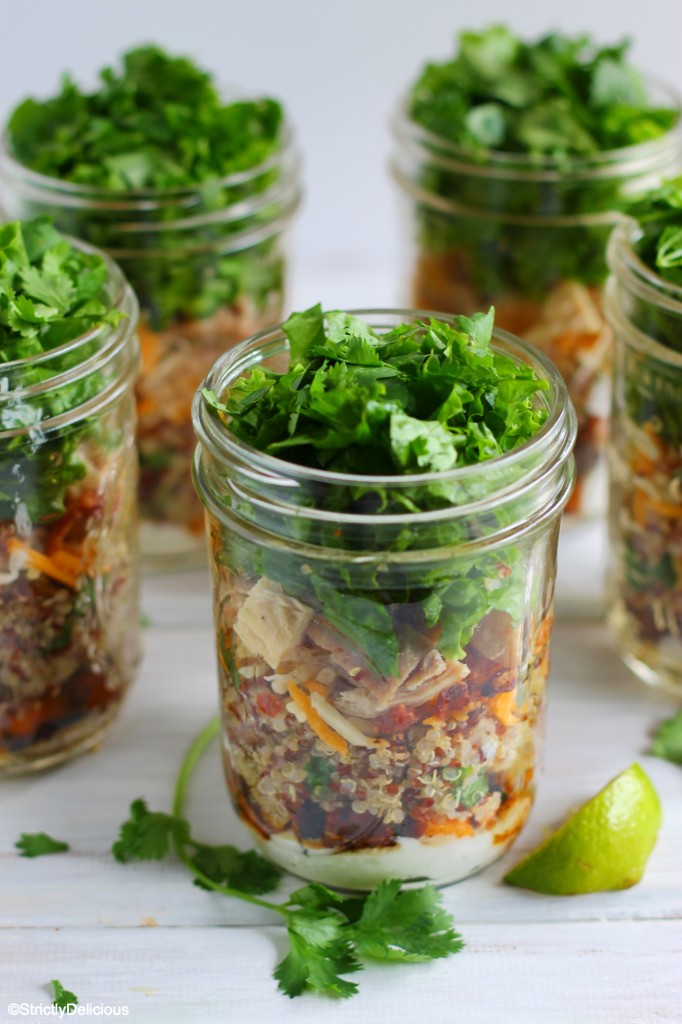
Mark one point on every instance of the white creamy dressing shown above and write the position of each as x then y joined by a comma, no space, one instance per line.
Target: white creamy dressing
440,859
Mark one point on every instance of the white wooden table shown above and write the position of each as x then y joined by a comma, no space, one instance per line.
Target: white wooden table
142,936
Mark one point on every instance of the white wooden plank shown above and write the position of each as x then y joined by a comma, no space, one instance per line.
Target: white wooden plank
517,973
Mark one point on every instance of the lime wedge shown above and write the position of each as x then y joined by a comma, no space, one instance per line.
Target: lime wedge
604,845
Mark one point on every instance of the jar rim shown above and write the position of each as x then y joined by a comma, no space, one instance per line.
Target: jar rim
235,360
525,167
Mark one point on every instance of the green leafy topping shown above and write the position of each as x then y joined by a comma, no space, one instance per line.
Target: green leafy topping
50,294
668,740
558,96
423,397
329,934
62,998
158,122
38,844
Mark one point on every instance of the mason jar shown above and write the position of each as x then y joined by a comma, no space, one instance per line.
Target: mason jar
529,237
382,671
207,263
645,462
69,616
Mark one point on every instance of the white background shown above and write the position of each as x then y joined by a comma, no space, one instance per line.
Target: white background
338,66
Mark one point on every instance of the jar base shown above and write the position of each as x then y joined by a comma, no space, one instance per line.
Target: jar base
440,860
66,744
644,659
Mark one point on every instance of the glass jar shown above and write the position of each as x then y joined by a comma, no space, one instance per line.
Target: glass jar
69,616
207,264
528,237
382,673
645,465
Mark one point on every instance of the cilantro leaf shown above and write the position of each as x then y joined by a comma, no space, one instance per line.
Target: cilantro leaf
38,844
62,998
147,835
410,925
314,968
229,866
304,331
667,741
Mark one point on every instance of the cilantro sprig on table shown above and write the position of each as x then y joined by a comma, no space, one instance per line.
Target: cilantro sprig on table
158,122
329,934
557,96
50,294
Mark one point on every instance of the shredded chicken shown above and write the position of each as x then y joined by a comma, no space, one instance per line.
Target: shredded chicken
270,623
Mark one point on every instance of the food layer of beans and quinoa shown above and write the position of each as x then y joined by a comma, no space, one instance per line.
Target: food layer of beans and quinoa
68,583
514,158
191,194
381,717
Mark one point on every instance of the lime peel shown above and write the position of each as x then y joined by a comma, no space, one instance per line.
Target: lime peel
604,845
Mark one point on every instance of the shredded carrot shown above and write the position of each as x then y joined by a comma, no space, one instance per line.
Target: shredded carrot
47,565
315,687
448,827
503,707
432,720
316,723
68,561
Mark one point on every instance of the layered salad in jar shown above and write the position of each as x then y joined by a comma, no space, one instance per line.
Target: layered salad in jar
527,150
68,585
646,447
381,717
190,193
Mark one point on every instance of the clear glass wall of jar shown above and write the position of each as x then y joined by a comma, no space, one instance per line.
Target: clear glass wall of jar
354,749
530,238
645,460
69,615
208,267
